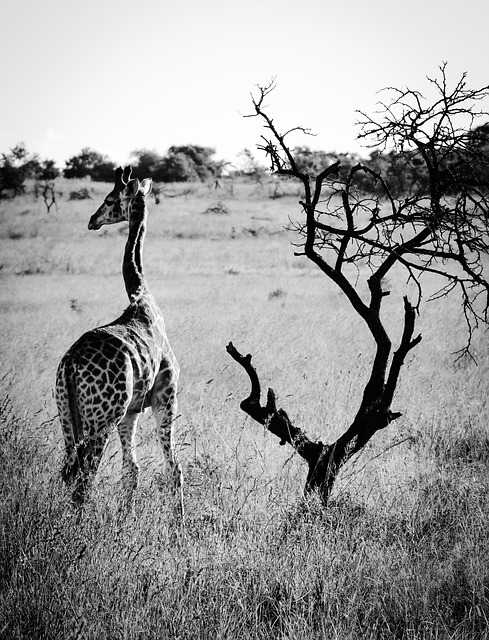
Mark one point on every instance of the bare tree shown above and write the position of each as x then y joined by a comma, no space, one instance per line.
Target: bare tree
439,226
49,195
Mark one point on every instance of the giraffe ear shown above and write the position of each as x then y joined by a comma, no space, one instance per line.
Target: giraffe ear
132,188
146,186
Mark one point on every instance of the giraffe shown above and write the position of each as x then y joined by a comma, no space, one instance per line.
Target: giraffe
113,373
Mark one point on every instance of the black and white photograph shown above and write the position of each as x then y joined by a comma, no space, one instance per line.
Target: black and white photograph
244,310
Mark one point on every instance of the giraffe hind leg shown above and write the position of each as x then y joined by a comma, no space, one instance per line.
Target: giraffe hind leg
164,407
78,460
130,469
88,456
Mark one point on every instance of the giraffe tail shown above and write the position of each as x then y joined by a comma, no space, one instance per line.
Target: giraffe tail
75,464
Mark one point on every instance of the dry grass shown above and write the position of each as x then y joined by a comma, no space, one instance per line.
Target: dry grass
402,552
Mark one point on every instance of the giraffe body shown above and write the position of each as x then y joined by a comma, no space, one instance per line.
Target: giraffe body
113,373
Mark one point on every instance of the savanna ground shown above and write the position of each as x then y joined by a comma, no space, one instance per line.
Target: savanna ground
403,550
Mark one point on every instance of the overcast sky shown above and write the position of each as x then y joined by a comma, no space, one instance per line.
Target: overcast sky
116,75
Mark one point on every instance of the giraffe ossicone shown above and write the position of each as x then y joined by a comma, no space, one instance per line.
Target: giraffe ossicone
113,373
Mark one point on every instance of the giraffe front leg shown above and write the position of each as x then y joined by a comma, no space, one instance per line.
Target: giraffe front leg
164,406
130,468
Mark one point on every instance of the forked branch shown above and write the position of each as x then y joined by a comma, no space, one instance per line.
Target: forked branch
275,420
323,460
407,343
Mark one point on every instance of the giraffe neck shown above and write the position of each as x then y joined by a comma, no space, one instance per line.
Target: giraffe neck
132,266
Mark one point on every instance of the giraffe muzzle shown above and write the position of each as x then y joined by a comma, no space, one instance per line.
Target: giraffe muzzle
93,225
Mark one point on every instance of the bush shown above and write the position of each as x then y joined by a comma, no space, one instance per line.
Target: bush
80,194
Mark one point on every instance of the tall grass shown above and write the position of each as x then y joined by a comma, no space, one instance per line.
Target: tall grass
402,551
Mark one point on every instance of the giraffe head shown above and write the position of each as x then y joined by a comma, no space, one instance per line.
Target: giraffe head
117,204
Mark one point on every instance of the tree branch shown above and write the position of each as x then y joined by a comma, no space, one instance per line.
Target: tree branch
407,343
275,420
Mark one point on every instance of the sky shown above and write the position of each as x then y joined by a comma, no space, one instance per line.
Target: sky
117,76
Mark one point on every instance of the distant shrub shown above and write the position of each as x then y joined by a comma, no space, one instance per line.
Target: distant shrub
276,294
218,208
80,194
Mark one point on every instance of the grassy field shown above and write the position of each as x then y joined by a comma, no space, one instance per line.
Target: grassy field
403,550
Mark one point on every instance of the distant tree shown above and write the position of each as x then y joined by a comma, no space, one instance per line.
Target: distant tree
184,163
250,167
18,165
47,171
178,167
12,177
90,163
403,170
311,162
201,161
397,169
478,142
469,166
440,228
394,168
148,163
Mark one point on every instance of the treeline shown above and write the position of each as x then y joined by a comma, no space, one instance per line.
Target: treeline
405,170
186,163
401,171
